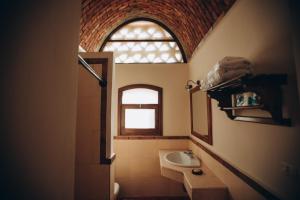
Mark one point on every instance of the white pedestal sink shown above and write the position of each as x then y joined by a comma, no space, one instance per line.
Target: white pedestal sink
182,159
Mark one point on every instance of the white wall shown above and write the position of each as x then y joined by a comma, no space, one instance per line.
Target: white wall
259,30
172,78
38,102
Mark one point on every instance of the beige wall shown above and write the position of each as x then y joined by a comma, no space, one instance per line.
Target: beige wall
259,31
38,100
172,78
137,162
91,178
295,12
138,169
238,189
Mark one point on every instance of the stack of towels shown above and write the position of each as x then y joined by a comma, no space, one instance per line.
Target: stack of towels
226,69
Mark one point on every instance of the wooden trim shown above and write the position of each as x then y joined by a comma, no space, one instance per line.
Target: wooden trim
134,131
155,198
150,20
252,183
263,120
120,93
132,86
158,111
143,137
103,106
103,159
209,120
206,138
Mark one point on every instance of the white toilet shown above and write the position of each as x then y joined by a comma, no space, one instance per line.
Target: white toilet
116,190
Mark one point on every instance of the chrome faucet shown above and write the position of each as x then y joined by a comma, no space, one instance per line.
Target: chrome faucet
189,153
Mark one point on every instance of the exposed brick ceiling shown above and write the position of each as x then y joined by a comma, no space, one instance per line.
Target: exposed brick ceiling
189,20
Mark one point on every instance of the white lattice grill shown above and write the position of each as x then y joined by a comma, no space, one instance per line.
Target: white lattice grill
143,42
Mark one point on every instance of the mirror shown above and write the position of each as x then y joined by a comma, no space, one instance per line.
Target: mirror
201,120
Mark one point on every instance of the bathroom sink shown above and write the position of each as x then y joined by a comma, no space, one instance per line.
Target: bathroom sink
182,159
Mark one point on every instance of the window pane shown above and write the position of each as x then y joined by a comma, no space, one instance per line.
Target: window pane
140,118
145,52
140,96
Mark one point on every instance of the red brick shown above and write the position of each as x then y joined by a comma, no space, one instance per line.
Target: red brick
189,20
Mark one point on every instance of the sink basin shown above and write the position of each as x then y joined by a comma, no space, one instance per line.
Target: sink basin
182,159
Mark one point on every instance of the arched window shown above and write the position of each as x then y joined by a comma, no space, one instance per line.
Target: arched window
140,110
144,41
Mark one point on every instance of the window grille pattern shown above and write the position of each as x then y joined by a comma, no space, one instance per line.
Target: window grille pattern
143,42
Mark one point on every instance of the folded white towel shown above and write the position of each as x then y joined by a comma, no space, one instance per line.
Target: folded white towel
220,71
232,74
233,66
228,63
226,69
218,78
228,60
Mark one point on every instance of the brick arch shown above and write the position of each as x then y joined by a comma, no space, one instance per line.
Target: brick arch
189,20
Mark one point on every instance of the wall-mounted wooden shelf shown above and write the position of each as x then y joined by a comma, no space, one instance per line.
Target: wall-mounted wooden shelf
243,107
267,87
